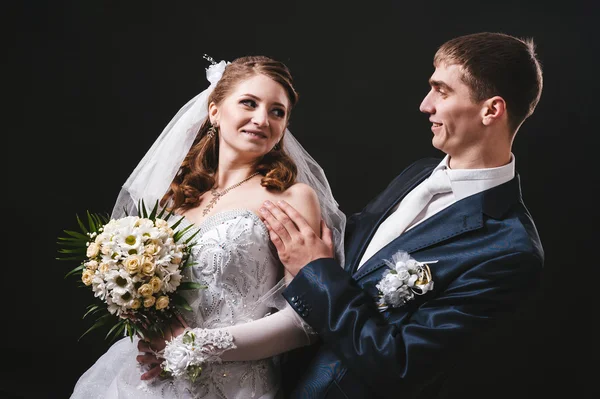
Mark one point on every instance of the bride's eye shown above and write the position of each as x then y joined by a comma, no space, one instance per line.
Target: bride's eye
280,113
248,102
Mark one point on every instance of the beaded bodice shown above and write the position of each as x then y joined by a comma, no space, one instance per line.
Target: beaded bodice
234,259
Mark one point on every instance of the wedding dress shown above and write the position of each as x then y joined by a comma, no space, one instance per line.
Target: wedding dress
237,262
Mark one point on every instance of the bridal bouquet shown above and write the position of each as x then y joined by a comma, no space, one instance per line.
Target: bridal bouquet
133,267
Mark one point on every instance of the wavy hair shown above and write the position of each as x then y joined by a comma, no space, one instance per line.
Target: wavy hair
196,174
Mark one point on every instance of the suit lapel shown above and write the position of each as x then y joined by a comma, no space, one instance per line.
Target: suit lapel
376,213
457,219
462,217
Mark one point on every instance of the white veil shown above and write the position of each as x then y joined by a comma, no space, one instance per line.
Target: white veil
151,178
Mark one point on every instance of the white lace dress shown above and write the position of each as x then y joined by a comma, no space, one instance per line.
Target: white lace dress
236,260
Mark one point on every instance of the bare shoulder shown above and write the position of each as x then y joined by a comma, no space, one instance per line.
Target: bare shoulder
300,192
303,198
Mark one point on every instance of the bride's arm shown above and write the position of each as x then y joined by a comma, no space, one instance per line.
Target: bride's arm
268,336
284,330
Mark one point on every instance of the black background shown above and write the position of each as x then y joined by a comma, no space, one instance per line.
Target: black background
91,84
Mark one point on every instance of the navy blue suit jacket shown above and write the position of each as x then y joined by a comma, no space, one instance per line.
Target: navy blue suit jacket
489,258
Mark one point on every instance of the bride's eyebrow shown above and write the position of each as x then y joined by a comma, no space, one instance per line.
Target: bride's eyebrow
258,99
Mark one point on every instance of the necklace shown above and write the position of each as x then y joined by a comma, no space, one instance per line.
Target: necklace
217,195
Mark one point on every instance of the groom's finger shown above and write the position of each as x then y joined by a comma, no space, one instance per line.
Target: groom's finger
295,217
326,235
279,245
274,224
282,218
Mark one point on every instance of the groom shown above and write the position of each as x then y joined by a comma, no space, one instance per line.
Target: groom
473,246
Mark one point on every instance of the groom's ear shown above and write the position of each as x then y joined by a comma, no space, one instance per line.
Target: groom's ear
493,109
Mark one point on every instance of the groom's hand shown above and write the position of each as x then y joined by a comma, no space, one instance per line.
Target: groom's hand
296,242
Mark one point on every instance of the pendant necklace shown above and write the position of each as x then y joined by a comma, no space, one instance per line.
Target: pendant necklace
217,195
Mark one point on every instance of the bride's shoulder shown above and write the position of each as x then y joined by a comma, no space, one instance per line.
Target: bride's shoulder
305,200
299,192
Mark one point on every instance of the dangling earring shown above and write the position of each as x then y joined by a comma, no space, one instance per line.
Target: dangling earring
212,131
275,147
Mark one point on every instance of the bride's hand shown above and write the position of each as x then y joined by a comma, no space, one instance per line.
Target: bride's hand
150,348
148,358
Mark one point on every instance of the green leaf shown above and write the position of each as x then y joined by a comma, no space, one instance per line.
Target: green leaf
181,303
91,222
99,323
78,268
130,332
71,242
142,209
192,237
91,309
152,215
73,251
189,285
189,263
77,235
178,222
70,258
117,328
81,225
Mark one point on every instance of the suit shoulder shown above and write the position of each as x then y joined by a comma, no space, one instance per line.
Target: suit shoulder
532,241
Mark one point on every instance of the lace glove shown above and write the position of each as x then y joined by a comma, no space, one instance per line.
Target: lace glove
185,354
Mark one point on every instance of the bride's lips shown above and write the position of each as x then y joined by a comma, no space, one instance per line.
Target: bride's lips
255,134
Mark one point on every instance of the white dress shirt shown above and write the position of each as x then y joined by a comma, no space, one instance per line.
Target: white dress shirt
464,182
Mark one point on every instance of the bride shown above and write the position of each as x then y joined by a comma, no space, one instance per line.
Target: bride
222,155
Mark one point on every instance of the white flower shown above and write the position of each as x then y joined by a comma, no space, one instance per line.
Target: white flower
186,353
131,252
93,250
177,358
405,278
171,281
215,71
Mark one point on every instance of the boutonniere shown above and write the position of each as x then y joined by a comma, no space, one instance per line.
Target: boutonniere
405,278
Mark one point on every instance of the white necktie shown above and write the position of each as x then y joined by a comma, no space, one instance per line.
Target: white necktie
411,206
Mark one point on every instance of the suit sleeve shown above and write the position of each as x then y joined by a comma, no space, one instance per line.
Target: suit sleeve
395,350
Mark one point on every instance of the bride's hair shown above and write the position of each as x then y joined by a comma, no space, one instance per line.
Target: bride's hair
196,174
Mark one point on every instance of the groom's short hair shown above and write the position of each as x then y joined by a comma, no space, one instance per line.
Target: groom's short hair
497,64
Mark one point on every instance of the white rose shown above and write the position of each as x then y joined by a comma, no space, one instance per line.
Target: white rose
92,250
92,265
151,249
87,277
155,283
177,358
133,264
162,302
146,290
215,71
148,267
402,274
104,267
149,301
161,223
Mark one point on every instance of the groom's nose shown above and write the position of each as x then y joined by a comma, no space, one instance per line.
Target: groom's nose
427,104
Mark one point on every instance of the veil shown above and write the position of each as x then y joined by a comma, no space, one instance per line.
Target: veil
151,178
